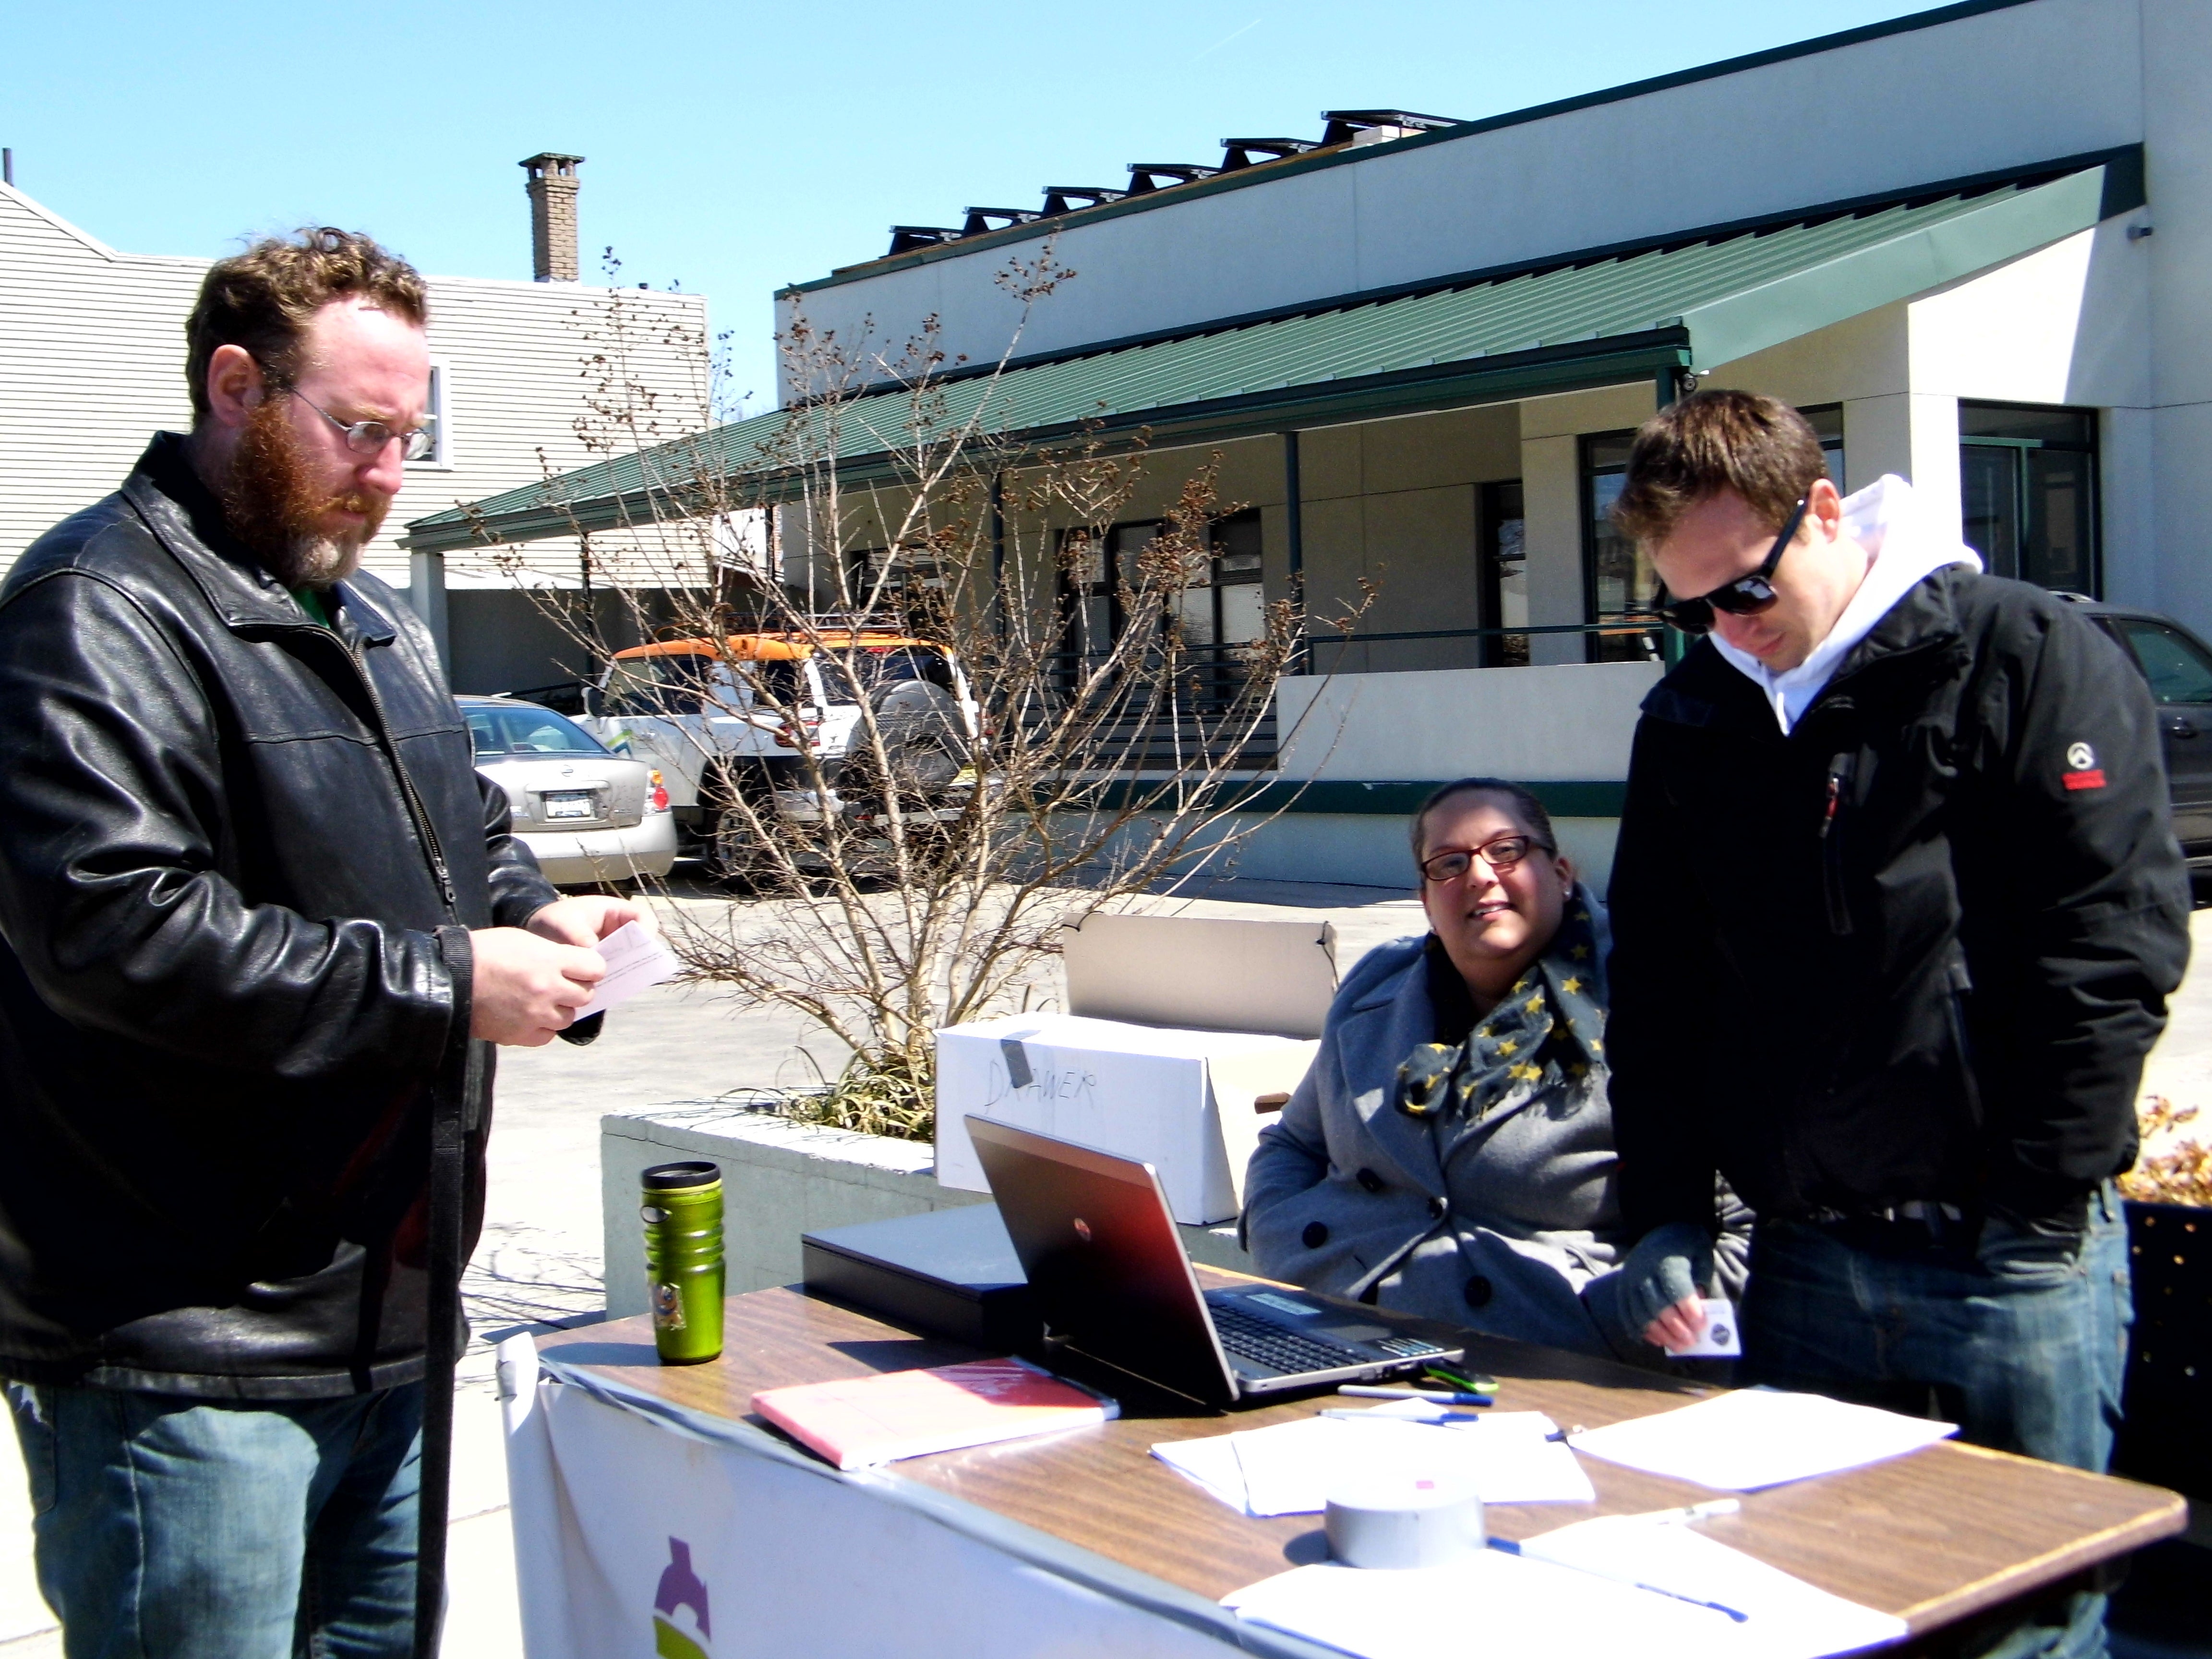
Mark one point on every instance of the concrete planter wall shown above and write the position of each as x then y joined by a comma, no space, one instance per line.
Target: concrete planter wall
780,1179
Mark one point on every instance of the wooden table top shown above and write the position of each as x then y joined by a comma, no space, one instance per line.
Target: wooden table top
1932,1537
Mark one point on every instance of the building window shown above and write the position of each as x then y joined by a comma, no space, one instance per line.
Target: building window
2028,476
1223,607
1618,585
1503,601
1827,423
436,423
1093,571
1226,603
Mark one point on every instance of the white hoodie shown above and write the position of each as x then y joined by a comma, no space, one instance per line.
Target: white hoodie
1904,543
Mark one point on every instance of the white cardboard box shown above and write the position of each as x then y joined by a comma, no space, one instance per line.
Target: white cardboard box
1183,1036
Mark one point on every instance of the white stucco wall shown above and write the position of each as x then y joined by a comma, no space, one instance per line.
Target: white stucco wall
2005,88
2177,93
1570,723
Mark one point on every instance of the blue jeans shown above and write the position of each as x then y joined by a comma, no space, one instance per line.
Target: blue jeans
169,1528
2023,1344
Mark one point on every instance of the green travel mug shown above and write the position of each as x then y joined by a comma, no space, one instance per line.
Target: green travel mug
683,1217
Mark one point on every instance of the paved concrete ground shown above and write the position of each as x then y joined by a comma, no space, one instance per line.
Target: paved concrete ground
539,1260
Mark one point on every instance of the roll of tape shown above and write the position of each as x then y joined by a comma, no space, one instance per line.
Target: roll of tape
1404,1521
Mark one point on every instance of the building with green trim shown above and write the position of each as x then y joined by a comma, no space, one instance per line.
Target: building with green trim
1971,243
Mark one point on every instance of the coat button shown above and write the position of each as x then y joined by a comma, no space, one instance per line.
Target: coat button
1476,1292
1436,1208
1370,1180
1316,1236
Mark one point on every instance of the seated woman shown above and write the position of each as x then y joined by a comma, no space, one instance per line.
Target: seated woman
1450,1153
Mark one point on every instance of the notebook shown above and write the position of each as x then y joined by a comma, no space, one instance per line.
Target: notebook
863,1420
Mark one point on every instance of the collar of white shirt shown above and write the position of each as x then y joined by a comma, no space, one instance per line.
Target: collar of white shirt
1905,544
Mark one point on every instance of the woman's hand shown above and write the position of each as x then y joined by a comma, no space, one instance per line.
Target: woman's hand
1679,1327
1660,1281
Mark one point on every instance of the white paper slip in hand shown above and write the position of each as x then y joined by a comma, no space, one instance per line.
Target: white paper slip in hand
1722,1339
636,961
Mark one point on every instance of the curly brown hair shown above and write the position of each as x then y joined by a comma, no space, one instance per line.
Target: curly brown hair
262,299
1758,446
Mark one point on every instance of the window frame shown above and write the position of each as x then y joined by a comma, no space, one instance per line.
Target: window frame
2091,447
438,412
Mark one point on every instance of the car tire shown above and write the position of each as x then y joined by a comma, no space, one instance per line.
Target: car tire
732,852
925,745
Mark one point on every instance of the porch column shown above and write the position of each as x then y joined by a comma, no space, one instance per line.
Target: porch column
1551,493
1294,538
426,593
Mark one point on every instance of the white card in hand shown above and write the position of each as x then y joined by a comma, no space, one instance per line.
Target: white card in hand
636,961
1722,1340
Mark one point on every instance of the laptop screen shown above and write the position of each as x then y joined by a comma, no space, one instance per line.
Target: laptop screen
1104,1259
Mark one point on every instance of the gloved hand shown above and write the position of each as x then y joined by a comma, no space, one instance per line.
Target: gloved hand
1668,1265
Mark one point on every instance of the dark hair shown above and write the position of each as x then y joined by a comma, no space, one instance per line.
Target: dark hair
1526,807
1759,448
263,299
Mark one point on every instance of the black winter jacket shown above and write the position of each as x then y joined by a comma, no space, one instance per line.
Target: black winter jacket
1915,949
239,856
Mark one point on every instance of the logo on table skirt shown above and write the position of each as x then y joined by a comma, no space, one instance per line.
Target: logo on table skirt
667,1308
681,1591
2082,771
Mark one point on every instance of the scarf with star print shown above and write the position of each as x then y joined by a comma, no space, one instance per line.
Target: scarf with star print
1547,1032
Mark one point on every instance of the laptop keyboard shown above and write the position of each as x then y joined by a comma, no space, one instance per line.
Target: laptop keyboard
1265,1343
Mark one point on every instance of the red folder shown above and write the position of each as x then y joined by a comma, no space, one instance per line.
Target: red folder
864,1421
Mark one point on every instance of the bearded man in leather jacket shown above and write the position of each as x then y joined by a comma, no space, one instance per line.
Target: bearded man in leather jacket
262,922
1896,908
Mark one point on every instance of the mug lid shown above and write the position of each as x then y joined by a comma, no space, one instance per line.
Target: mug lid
674,1177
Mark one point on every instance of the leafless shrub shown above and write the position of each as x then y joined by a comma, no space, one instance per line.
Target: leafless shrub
941,710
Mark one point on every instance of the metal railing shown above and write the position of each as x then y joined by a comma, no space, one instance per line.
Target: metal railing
1659,642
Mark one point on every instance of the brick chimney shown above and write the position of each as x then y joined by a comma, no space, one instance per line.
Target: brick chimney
552,190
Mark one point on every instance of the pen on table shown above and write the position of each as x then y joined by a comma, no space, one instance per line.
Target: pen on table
1561,1434
1445,1418
1364,1391
1512,1548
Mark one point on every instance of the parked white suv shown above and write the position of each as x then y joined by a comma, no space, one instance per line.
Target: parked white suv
722,718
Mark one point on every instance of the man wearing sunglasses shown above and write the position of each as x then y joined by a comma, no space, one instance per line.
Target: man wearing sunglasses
1896,908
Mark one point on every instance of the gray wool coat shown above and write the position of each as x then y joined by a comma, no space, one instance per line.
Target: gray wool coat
1516,1231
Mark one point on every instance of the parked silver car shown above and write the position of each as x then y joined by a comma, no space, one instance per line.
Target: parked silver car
590,817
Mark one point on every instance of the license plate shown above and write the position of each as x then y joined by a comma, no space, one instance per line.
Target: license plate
567,803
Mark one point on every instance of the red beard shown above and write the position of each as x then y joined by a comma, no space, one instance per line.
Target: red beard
274,507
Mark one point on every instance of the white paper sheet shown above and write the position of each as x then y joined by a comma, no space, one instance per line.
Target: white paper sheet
1492,1606
1288,1468
1785,1617
1210,1463
636,961
1756,1437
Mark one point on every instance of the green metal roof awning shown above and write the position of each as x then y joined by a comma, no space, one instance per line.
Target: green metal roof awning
1605,320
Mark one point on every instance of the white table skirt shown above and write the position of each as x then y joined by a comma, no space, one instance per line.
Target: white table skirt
612,1492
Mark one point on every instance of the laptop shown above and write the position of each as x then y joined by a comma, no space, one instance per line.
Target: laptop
1109,1274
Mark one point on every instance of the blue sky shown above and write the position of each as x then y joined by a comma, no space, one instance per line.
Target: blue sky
734,148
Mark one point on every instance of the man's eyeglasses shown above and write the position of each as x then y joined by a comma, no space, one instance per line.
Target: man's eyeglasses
369,437
1500,855
1747,596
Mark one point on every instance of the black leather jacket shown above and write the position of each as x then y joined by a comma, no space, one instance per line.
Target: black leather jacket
239,856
